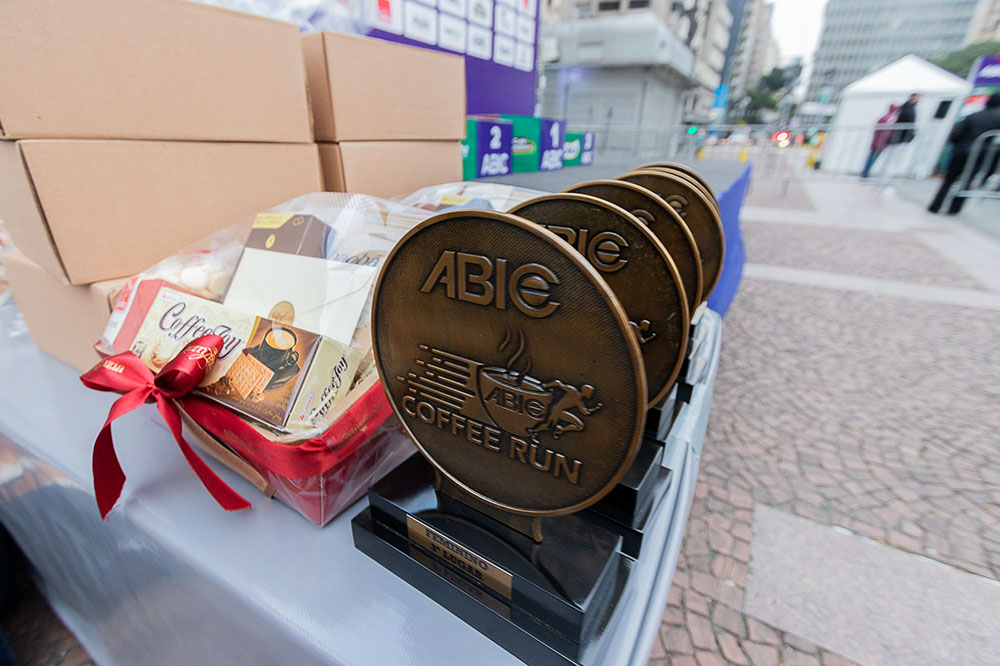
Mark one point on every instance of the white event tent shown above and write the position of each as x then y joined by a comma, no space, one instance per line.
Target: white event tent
866,100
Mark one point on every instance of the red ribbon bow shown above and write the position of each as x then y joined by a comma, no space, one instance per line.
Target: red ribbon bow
125,373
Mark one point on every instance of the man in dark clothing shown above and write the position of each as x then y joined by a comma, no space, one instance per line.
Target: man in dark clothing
907,116
898,138
962,136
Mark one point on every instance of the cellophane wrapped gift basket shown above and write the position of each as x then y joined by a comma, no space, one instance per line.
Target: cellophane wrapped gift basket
260,338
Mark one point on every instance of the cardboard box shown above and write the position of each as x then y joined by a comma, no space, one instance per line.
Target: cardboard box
63,320
389,168
149,69
94,210
365,89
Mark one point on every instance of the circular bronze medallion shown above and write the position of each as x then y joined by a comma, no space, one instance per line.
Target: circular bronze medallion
662,220
509,361
681,168
687,178
700,215
635,265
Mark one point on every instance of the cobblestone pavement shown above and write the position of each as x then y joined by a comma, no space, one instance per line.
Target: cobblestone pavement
875,414
36,636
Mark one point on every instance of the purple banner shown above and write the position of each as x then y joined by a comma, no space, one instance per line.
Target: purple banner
987,71
497,38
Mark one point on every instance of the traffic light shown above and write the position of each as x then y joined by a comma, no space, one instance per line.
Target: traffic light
693,129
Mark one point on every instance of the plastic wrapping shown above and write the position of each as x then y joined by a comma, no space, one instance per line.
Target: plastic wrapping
471,195
322,497
309,264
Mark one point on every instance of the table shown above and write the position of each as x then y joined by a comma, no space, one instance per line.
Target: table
171,578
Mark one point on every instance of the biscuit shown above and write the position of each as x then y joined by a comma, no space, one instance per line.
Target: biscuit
248,376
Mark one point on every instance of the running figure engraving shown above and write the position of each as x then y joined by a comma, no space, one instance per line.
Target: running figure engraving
639,330
559,419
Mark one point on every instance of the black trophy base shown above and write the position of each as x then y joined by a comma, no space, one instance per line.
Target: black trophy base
633,532
632,498
660,417
545,603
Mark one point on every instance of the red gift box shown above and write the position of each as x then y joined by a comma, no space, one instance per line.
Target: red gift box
362,445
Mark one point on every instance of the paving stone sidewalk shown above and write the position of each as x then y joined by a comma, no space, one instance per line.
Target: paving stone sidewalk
871,413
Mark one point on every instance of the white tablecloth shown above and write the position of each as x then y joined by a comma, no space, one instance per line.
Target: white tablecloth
172,578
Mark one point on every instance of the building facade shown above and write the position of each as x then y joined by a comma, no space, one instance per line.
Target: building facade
986,23
632,63
737,9
756,50
861,36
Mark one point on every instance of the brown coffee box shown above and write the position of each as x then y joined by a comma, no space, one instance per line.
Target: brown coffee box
63,320
278,374
389,168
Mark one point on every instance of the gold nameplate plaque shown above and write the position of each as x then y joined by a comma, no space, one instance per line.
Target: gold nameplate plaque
509,361
635,265
698,212
472,565
662,220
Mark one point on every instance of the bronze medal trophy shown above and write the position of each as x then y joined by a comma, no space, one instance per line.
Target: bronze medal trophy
684,190
521,351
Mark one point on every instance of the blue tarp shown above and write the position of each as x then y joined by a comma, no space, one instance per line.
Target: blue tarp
730,204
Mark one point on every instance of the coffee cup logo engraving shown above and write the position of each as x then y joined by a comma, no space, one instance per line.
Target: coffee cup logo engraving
477,279
503,409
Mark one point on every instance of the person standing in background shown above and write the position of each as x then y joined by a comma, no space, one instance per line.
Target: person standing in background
880,139
962,136
907,116
898,138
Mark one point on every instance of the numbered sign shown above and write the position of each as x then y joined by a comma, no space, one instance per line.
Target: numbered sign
553,132
587,151
486,150
578,149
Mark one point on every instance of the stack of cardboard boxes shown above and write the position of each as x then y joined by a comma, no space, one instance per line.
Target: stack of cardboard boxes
130,130
389,118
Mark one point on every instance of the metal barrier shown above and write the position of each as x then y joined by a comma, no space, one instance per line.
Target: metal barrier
974,183
821,151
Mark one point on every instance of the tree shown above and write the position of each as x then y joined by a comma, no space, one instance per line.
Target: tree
961,61
770,91
773,81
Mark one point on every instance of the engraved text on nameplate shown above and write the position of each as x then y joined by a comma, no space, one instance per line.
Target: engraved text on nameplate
479,569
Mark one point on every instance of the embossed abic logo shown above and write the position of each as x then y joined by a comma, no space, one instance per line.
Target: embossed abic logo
527,287
504,409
